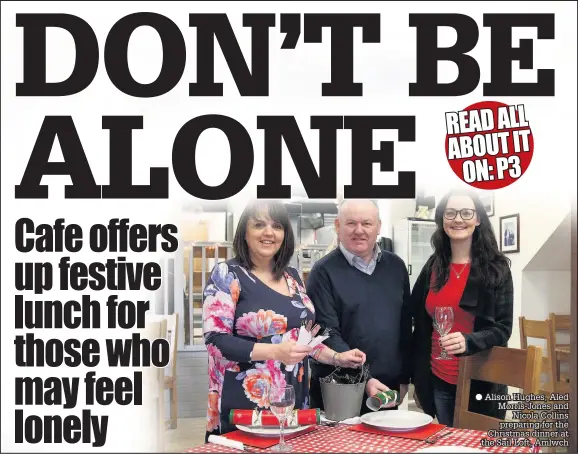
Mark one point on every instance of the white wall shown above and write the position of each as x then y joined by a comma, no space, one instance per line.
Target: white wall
539,218
545,292
392,211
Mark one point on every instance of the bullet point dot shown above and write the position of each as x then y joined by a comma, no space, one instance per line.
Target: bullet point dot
478,397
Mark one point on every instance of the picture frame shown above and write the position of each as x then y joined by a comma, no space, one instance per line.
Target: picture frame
487,200
510,233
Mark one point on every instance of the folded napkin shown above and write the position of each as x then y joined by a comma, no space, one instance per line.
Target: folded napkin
222,441
305,338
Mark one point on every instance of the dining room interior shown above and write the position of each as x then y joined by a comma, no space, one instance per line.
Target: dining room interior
542,343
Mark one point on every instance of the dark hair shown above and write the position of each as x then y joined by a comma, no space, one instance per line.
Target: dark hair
278,213
488,263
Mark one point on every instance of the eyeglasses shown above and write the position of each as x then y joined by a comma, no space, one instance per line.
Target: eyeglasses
465,213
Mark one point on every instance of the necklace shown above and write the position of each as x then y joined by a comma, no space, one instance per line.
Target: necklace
462,270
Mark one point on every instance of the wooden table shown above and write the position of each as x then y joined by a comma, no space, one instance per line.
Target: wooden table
341,439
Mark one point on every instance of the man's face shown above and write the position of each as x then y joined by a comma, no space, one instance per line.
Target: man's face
358,226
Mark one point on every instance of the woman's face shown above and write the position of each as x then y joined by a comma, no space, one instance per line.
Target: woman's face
264,236
460,218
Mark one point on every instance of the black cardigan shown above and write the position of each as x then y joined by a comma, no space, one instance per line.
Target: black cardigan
493,312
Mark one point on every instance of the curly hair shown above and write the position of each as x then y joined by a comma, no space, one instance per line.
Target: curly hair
488,264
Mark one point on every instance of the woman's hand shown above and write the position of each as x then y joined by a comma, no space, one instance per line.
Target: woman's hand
350,359
454,343
291,352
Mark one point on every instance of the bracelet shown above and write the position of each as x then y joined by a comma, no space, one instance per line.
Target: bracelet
334,355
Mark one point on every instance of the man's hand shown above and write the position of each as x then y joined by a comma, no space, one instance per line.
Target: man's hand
374,386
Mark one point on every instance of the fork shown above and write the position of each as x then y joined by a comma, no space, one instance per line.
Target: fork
329,423
315,330
431,441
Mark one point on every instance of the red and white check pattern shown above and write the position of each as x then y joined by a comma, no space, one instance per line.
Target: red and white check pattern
341,439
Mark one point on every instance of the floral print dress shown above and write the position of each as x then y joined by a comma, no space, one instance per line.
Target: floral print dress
240,310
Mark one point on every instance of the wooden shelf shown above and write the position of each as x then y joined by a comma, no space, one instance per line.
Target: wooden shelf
210,252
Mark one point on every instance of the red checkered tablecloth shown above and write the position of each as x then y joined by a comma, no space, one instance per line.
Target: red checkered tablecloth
341,439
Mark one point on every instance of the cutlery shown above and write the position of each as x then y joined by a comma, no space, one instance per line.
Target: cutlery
315,330
329,423
431,440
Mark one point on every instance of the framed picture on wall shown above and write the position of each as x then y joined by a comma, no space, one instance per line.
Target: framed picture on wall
487,199
510,233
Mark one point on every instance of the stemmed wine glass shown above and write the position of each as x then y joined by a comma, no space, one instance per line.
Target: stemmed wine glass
282,401
444,318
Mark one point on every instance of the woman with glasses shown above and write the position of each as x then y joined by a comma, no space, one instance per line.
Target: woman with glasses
470,278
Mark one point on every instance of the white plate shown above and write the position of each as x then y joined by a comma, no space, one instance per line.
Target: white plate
271,431
440,449
398,420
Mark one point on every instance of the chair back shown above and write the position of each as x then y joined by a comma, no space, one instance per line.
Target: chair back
541,329
563,323
519,368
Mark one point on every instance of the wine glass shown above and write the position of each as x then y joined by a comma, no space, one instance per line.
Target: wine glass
282,401
444,318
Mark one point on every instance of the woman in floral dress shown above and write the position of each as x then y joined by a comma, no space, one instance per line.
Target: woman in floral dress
254,306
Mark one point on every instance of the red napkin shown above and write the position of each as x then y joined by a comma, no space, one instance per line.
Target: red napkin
418,434
262,442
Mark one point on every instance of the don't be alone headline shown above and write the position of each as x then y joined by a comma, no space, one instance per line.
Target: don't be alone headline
254,82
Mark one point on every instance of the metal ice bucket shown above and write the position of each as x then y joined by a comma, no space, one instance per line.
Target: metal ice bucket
343,400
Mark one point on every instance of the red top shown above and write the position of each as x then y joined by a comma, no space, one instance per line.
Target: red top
449,296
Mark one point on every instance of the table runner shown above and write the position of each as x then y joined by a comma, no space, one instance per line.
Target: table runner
340,440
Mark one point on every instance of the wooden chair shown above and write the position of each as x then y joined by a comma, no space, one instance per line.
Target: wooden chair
561,323
562,380
542,329
170,379
518,368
